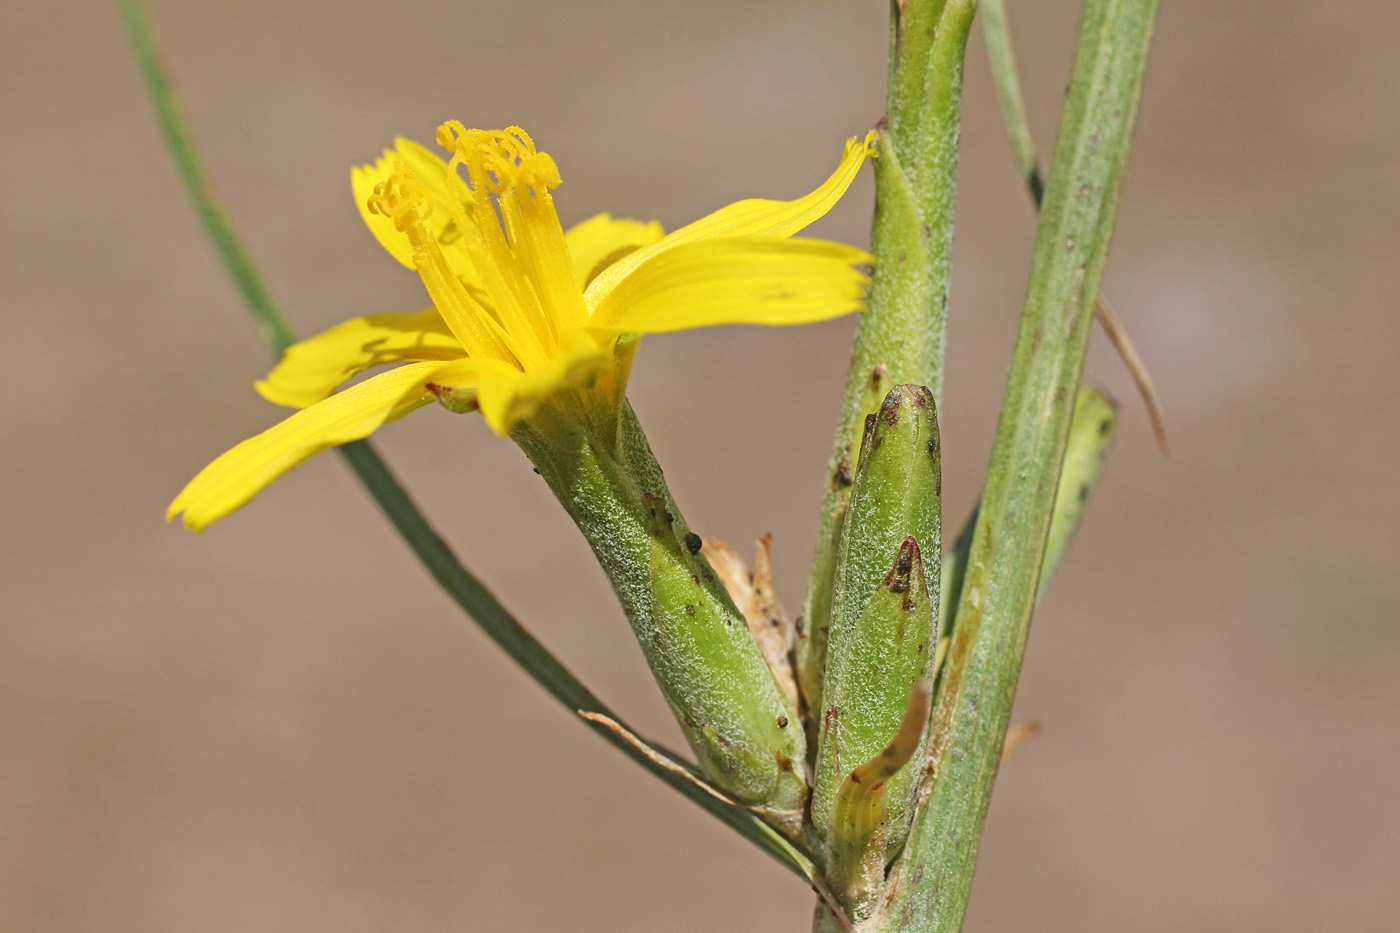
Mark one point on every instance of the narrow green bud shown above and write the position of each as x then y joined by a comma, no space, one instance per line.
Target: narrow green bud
742,728
882,641
1091,437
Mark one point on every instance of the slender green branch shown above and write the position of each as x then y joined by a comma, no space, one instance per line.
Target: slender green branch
459,583
932,880
272,323
997,33
525,650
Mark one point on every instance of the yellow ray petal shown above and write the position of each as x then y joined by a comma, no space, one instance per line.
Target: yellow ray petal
599,241
754,217
748,280
313,369
507,395
241,473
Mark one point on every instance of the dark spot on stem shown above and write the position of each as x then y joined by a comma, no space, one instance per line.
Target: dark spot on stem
906,555
782,722
843,477
692,541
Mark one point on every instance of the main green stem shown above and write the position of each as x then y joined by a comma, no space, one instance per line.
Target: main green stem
931,881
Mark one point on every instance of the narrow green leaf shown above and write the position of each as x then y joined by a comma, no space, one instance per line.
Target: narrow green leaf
271,322
997,34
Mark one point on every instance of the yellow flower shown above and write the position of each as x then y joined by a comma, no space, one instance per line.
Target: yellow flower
525,313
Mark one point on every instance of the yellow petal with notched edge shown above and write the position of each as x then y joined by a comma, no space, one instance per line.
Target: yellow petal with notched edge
749,280
313,369
754,217
506,395
241,473
599,241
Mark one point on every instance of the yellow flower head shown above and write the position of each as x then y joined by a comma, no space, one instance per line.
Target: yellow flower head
524,312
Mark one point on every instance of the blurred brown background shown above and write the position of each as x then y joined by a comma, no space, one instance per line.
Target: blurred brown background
283,726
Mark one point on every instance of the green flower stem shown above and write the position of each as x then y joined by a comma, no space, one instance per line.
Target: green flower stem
932,879
883,636
459,583
743,730
899,339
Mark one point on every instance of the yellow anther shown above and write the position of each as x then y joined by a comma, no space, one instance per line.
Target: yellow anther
402,198
522,137
539,172
498,160
450,134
